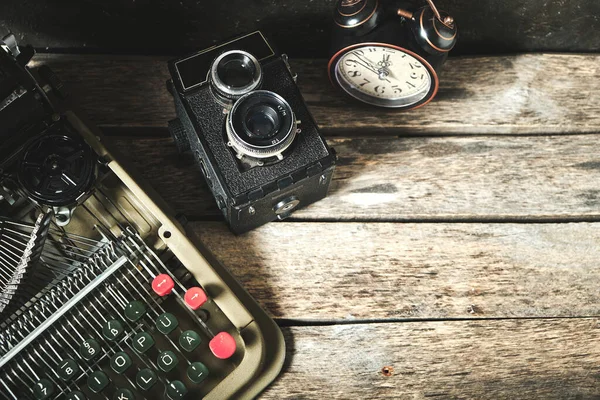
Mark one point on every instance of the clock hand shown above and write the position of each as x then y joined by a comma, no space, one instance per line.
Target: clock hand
367,66
365,60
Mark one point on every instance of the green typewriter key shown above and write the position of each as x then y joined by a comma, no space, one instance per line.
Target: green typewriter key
120,362
166,323
76,395
189,340
43,389
97,381
142,342
176,390
89,349
112,330
146,378
123,394
135,310
197,372
167,360
67,369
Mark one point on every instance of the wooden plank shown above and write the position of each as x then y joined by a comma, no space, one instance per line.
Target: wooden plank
528,359
332,271
524,94
298,27
414,179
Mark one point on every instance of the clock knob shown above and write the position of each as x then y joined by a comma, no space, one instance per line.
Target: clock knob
435,32
357,16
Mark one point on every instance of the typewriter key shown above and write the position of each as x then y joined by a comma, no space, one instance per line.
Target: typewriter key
76,395
142,342
97,381
197,372
167,360
176,390
120,362
146,378
112,330
189,340
135,310
166,323
68,369
123,394
43,389
89,349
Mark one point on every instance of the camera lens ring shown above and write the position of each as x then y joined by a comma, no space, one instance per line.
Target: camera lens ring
261,144
246,70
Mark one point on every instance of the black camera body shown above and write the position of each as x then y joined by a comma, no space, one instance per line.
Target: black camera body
243,118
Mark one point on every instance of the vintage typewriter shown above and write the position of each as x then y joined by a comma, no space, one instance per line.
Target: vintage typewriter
102,295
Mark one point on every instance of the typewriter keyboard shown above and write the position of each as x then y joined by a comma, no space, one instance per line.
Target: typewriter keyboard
123,326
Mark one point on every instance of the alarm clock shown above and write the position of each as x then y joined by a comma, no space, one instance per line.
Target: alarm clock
390,54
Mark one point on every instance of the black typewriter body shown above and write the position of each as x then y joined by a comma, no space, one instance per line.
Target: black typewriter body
102,294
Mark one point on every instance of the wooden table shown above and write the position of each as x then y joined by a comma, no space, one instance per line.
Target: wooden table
457,255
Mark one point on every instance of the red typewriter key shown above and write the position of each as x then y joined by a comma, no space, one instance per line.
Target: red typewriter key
195,297
163,284
222,345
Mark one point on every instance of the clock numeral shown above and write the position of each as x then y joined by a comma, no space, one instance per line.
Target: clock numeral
415,65
410,84
365,82
359,52
380,89
372,49
397,90
354,74
351,63
414,75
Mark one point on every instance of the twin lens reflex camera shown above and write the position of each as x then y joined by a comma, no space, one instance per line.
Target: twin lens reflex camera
241,114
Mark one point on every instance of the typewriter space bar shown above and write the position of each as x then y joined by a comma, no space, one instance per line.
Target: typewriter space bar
62,310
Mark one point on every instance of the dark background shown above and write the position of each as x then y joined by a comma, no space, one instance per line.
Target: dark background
299,27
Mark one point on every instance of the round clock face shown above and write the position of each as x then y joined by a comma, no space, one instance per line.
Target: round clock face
385,76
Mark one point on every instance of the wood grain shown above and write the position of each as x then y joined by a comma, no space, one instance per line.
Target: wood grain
530,359
524,94
414,179
297,27
334,271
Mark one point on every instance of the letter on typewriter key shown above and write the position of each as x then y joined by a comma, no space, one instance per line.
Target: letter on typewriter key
97,381
123,394
189,340
142,342
43,389
76,395
167,360
120,362
166,323
112,330
67,369
146,378
89,349
176,390
197,372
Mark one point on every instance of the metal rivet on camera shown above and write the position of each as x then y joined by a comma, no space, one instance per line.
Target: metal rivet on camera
322,179
251,210
55,117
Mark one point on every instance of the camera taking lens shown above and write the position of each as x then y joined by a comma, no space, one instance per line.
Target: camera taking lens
261,124
235,73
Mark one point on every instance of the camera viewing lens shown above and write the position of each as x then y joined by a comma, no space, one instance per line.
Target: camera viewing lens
261,124
235,73
236,70
262,121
